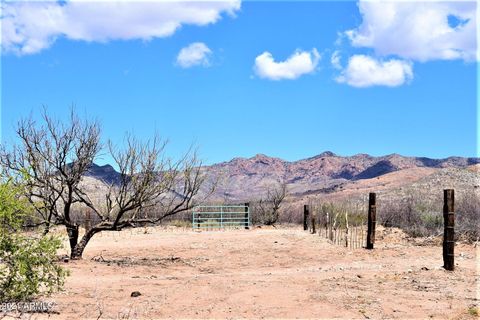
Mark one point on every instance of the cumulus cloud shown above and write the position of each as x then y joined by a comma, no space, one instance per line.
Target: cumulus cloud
194,54
298,64
364,71
419,31
29,26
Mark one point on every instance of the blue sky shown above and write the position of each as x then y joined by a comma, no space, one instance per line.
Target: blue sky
281,78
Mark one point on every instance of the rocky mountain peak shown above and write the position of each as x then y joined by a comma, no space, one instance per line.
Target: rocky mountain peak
327,154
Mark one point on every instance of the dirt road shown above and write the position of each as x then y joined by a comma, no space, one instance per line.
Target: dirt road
273,273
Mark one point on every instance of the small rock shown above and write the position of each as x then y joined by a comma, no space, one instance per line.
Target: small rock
424,268
66,260
359,276
409,270
135,294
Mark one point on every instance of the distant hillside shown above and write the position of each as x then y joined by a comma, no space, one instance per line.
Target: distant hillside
326,174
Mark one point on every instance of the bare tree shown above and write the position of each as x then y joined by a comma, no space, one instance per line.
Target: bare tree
53,158
267,209
148,181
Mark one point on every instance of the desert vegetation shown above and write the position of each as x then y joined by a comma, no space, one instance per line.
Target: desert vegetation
416,215
49,208
422,217
53,157
266,210
28,265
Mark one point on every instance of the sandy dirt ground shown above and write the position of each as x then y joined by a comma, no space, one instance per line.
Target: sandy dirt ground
263,273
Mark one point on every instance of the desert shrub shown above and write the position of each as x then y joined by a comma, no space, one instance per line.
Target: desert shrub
263,214
267,209
339,213
290,213
467,210
28,268
27,263
432,221
417,216
420,216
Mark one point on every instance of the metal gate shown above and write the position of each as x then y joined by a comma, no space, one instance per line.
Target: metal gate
221,217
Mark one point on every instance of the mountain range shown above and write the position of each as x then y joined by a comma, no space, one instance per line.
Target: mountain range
326,174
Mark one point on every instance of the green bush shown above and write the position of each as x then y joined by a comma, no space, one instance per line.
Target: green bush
27,264
28,268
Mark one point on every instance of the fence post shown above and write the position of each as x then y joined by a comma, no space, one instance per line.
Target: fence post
221,217
247,216
326,226
346,229
313,223
330,227
372,214
449,231
196,216
305,217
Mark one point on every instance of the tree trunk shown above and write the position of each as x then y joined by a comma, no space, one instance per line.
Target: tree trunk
72,232
77,250
46,230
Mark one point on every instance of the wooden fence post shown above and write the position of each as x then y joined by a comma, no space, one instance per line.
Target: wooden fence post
346,229
247,218
449,231
330,227
305,216
313,223
326,226
372,215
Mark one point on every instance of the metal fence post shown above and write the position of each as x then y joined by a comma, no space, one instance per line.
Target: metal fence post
372,215
247,215
198,220
221,217
449,231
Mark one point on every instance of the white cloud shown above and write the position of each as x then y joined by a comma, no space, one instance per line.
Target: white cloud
417,30
29,27
194,54
335,60
364,71
298,64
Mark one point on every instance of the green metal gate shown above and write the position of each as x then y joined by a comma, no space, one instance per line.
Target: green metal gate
221,217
